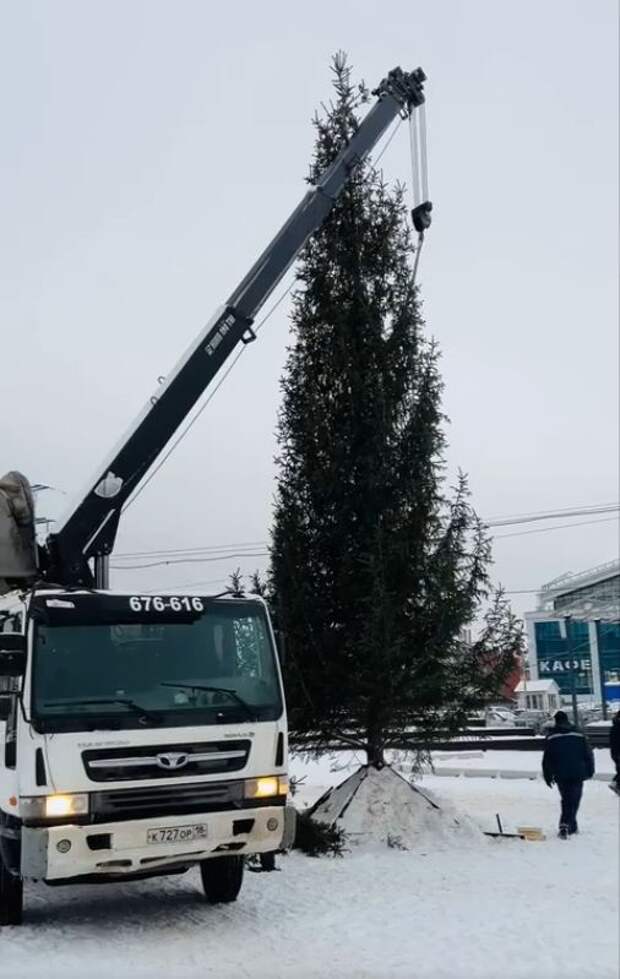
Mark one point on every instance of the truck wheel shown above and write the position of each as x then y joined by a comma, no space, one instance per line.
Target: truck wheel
222,878
11,897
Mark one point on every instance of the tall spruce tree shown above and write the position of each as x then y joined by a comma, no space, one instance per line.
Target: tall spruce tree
375,568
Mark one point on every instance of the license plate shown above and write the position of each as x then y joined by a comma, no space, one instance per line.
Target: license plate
177,834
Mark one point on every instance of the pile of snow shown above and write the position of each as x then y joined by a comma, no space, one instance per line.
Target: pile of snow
380,806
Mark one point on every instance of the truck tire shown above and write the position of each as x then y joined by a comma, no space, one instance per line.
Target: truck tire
11,897
222,878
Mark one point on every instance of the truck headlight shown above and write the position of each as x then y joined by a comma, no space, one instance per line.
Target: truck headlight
66,805
266,787
53,806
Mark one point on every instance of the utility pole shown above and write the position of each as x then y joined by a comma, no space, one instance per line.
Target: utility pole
597,627
565,632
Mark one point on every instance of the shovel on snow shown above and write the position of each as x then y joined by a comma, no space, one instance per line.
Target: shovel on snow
500,833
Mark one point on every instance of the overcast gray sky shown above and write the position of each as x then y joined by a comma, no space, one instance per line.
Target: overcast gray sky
149,151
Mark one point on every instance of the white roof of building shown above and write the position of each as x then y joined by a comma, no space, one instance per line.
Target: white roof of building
570,581
537,686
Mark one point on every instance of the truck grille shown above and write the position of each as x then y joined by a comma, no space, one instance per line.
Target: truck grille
165,761
176,800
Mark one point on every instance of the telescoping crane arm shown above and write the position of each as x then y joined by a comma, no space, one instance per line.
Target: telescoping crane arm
89,529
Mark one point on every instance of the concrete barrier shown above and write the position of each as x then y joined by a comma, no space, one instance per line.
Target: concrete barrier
503,773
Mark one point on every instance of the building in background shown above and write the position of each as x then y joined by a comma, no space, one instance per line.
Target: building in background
538,695
587,657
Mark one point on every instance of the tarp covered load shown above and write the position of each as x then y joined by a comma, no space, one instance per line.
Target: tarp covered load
18,549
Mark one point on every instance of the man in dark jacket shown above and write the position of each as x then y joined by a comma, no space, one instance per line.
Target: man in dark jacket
568,761
614,747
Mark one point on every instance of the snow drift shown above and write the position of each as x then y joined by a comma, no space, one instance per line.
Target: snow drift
380,806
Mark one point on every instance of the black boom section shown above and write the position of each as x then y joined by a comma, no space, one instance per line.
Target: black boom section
90,528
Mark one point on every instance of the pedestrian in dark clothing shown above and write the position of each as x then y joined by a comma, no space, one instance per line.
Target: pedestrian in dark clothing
614,747
568,761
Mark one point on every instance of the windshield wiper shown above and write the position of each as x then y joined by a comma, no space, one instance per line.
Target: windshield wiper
131,704
231,693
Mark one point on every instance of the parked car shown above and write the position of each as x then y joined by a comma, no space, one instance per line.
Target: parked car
499,716
535,719
588,715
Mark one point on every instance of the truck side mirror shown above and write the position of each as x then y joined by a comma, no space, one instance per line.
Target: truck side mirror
12,654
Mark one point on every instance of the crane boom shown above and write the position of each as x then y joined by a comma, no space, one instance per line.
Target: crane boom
89,528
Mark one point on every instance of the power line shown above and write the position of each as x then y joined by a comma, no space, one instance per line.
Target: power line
536,513
193,550
264,553
187,560
185,584
554,515
238,546
562,526
521,591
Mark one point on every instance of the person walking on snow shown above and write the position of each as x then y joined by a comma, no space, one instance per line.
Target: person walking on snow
568,761
614,747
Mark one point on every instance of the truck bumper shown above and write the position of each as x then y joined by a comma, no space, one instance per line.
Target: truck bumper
118,849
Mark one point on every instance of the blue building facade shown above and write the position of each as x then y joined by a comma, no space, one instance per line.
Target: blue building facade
574,635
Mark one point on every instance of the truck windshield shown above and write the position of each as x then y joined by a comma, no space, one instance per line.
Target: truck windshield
176,661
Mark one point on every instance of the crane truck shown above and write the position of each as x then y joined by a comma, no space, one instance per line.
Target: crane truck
142,734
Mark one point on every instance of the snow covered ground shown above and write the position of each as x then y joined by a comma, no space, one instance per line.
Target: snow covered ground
507,908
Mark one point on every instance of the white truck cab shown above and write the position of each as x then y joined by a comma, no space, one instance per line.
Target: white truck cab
139,735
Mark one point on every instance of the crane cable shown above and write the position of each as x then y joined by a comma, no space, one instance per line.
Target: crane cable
422,206
421,220
200,410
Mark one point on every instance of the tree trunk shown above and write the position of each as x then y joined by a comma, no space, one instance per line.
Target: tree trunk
374,748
